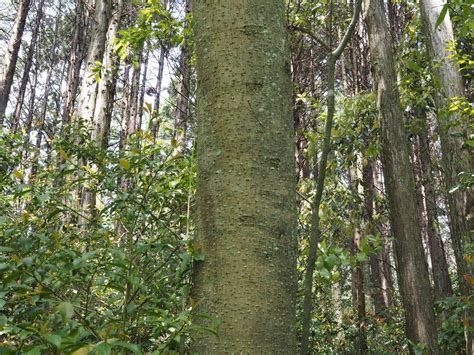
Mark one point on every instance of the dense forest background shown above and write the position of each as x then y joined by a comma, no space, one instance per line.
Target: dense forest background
98,175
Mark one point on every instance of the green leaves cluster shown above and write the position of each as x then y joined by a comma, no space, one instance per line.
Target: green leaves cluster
114,282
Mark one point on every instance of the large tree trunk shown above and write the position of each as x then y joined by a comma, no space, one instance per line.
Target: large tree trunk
11,57
413,277
246,185
455,159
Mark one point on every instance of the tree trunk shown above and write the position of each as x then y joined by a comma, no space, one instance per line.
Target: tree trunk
375,272
246,185
442,283
75,63
107,84
11,57
28,63
359,299
455,159
182,94
89,86
47,88
413,277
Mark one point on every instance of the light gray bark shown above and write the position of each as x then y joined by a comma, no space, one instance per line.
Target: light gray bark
89,86
106,86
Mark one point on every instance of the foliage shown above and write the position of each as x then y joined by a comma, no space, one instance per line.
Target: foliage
118,281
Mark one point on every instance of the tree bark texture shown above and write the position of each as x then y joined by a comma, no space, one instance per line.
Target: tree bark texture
442,283
107,84
413,274
246,185
455,158
11,57
75,62
28,63
89,85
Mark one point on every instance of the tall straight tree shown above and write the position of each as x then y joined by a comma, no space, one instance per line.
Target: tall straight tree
11,57
246,184
455,159
28,64
413,274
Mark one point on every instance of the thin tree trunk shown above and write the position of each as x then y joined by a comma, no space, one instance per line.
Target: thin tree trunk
359,301
11,57
384,229
141,100
315,234
246,202
442,282
375,272
47,89
413,275
182,101
75,63
28,63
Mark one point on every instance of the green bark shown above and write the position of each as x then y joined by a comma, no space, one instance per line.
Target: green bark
246,201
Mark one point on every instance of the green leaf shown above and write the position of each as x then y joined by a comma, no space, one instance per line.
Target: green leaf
132,347
441,16
66,310
325,273
54,339
103,349
331,261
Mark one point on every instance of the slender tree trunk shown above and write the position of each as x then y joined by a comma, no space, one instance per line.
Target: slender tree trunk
28,63
107,84
47,89
442,283
155,121
413,275
11,57
246,185
315,234
143,88
75,63
359,300
375,272
384,228
182,101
